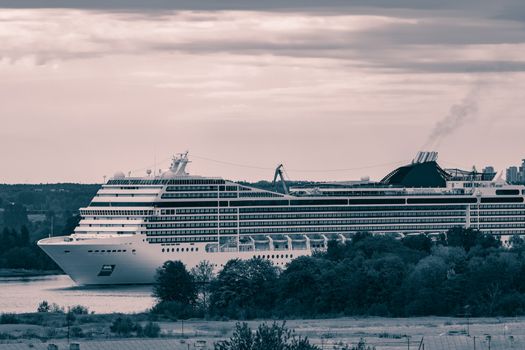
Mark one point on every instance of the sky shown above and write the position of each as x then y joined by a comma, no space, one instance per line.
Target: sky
334,90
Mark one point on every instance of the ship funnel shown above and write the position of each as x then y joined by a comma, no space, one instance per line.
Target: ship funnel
425,157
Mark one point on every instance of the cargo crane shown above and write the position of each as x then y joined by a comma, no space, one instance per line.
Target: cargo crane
279,172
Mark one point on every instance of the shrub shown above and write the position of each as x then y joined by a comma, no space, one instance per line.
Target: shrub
173,310
122,326
76,332
151,330
274,337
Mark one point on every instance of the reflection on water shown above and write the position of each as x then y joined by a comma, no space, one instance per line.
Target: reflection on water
23,294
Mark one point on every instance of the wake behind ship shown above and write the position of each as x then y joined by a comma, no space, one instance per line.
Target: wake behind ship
134,224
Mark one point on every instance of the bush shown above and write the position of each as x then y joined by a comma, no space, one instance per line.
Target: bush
122,326
76,332
274,337
151,330
174,310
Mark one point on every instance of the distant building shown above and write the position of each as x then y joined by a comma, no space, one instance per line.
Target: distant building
489,169
512,174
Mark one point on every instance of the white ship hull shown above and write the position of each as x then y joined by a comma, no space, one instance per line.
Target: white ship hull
134,261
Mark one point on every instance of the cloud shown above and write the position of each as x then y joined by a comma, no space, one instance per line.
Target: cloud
375,42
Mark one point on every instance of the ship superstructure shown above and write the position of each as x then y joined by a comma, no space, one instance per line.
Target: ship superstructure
134,224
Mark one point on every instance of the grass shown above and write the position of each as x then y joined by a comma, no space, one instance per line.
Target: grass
376,330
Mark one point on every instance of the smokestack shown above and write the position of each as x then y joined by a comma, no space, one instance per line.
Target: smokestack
424,157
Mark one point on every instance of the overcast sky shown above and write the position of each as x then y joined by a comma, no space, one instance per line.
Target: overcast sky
338,91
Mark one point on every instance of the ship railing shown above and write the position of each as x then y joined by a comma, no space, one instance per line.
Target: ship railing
246,248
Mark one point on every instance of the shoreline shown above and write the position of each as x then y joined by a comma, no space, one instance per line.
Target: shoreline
28,273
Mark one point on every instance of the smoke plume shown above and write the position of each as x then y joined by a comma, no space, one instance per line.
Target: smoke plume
459,115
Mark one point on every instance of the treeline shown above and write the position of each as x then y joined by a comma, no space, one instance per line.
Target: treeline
18,252
31,212
463,273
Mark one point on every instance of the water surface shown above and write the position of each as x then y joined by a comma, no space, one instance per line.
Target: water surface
23,294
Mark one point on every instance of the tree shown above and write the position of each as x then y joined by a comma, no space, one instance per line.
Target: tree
24,236
15,215
301,284
468,238
418,242
274,337
203,275
244,289
43,306
173,283
71,223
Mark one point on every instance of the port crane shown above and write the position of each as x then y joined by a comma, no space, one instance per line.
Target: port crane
279,172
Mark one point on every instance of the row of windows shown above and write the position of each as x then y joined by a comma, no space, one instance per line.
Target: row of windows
498,212
347,222
191,188
190,195
493,219
189,232
110,251
331,229
190,211
499,206
116,212
181,239
167,250
198,211
353,215
500,226
274,256
183,225
183,218
181,232
348,208
258,194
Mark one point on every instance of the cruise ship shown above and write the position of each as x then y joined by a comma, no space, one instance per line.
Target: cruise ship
134,224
